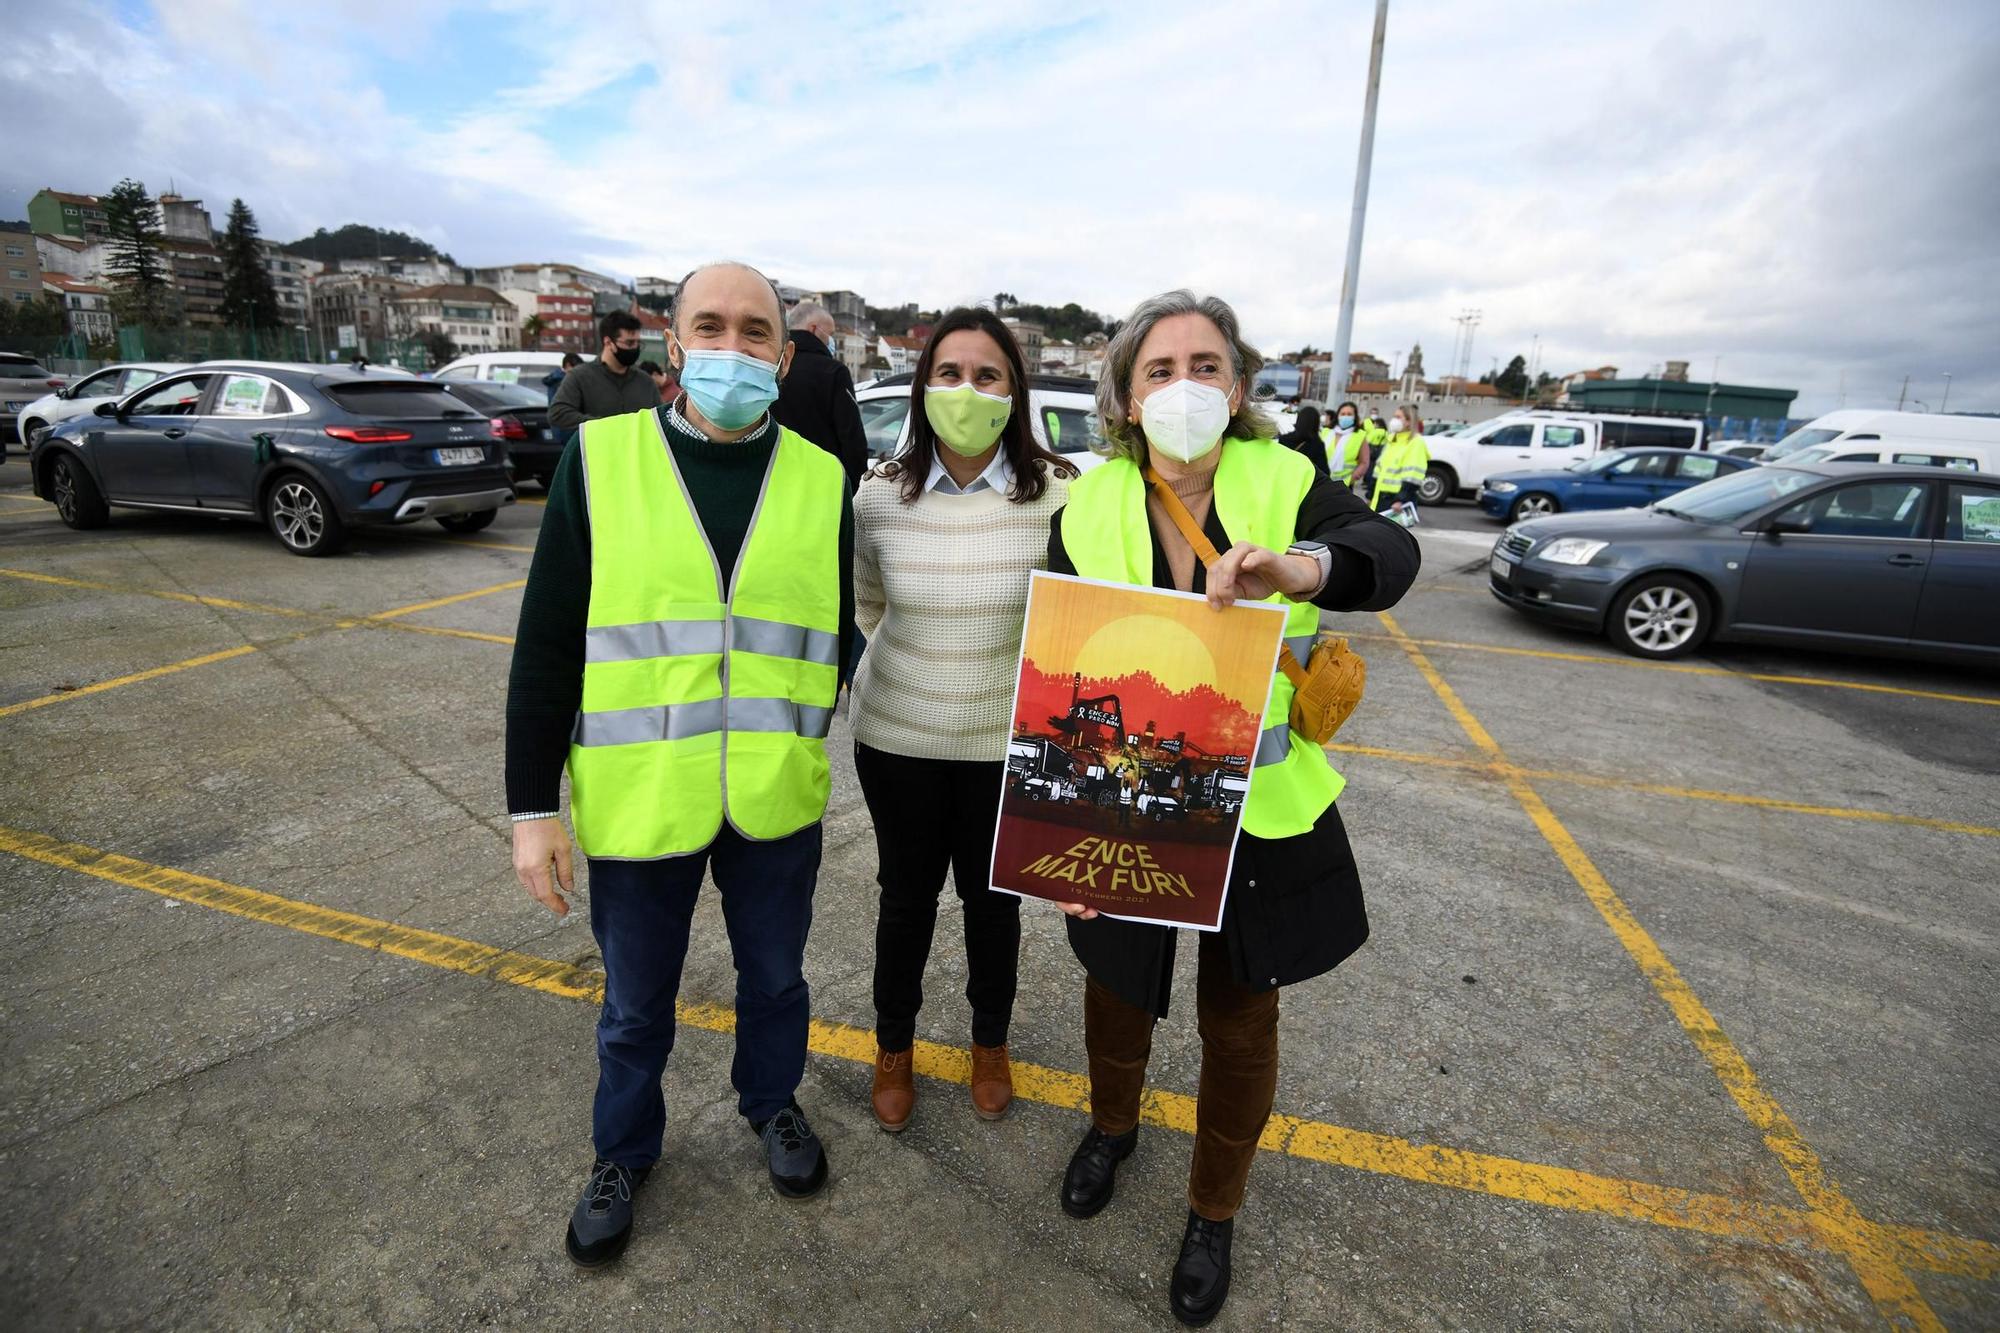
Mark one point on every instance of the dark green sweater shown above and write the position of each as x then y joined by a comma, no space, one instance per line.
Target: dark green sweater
545,686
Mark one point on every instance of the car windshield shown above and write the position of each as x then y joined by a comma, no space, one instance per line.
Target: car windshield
1803,438
1729,498
22,370
1602,463
1813,455
404,400
494,393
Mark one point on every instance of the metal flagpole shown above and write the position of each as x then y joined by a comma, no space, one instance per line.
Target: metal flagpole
1350,279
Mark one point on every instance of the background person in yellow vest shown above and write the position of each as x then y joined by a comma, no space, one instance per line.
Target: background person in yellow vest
1405,459
1172,394
1348,445
679,648
945,535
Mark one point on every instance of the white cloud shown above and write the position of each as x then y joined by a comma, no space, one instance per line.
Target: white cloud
1772,185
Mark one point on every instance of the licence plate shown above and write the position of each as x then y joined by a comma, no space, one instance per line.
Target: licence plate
1502,570
546,433
15,407
454,457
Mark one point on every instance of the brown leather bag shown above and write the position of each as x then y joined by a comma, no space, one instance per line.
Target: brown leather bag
1327,688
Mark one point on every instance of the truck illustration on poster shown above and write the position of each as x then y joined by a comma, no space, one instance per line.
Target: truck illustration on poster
1135,725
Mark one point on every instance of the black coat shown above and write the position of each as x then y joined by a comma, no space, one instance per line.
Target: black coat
816,400
1294,908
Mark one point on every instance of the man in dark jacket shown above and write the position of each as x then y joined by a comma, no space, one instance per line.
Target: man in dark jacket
816,398
610,386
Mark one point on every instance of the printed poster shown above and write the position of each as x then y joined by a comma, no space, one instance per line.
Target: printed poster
1136,717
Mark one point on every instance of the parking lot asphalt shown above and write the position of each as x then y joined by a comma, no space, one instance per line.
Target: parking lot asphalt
1679,1009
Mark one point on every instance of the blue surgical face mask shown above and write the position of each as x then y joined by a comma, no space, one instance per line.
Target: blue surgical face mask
730,389
1346,420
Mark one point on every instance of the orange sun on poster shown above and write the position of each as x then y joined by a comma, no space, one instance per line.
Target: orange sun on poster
1173,653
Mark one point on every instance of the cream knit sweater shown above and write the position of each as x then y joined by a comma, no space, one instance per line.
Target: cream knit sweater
940,589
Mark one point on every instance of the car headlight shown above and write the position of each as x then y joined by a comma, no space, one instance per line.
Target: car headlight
1570,551
1501,487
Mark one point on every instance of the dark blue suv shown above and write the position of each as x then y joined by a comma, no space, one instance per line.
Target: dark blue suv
310,451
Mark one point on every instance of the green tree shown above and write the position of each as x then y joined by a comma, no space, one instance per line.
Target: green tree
532,328
439,344
357,240
1513,381
138,273
249,299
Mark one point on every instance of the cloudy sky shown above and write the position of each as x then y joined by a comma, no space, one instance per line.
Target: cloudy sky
1808,191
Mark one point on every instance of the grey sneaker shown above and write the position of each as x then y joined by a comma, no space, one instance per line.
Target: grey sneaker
602,1222
796,1157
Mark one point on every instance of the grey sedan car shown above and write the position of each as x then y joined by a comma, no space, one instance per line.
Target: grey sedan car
1869,557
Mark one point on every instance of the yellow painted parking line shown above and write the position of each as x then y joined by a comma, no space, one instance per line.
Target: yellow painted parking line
452,600
135,678
1874,1257
524,500
333,619
1381,1154
161,594
1663,789
1682,668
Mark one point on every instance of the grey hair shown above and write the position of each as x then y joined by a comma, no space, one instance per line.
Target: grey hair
1114,390
680,292
807,313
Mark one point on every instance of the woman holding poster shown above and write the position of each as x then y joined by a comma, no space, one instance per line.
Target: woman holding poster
945,535
1174,396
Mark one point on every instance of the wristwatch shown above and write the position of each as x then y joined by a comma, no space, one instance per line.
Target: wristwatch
1318,552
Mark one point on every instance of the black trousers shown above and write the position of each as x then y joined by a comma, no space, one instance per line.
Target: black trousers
932,815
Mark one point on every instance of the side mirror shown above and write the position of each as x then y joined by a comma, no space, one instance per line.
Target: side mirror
1782,525
107,408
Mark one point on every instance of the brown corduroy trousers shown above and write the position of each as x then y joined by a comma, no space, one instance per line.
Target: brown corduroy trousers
1239,1073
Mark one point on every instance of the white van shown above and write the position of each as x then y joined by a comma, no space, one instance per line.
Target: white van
1065,416
1538,438
527,368
1860,435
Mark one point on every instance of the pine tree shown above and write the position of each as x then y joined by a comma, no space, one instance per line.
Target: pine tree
138,273
249,300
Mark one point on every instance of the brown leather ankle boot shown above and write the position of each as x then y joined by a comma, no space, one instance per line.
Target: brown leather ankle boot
895,1092
992,1081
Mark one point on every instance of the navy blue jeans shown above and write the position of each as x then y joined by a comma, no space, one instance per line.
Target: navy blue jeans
639,912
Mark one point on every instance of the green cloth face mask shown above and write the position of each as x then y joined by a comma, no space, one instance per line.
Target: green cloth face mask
966,420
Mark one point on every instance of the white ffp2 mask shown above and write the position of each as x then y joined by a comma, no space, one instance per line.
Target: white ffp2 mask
1185,420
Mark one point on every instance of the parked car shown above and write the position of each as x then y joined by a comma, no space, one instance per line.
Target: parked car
22,380
1840,555
517,415
529,368
1065,416
1860,430
310,451
1952,455
1540,438
1620,479
78,397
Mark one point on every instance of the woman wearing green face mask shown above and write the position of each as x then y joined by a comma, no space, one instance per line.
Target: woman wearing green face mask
945,535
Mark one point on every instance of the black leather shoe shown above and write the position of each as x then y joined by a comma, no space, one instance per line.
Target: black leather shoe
602,1221
1201,1278
1093,1170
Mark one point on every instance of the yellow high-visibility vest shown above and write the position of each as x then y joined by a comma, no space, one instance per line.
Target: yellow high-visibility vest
706,695
1259,485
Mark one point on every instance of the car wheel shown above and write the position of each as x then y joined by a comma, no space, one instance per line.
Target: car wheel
1659,616
78,501
302,516
467,522
32,431
1437,486
1532,505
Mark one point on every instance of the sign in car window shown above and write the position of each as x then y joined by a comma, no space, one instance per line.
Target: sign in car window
242,396
506,374
1978,516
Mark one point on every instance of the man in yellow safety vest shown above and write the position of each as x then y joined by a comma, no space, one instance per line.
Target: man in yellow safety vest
680,647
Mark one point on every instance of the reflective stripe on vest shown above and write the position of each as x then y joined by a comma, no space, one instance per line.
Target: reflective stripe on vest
705,698
1259,485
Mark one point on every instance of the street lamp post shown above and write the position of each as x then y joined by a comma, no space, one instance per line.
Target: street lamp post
1350,281
1947,392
